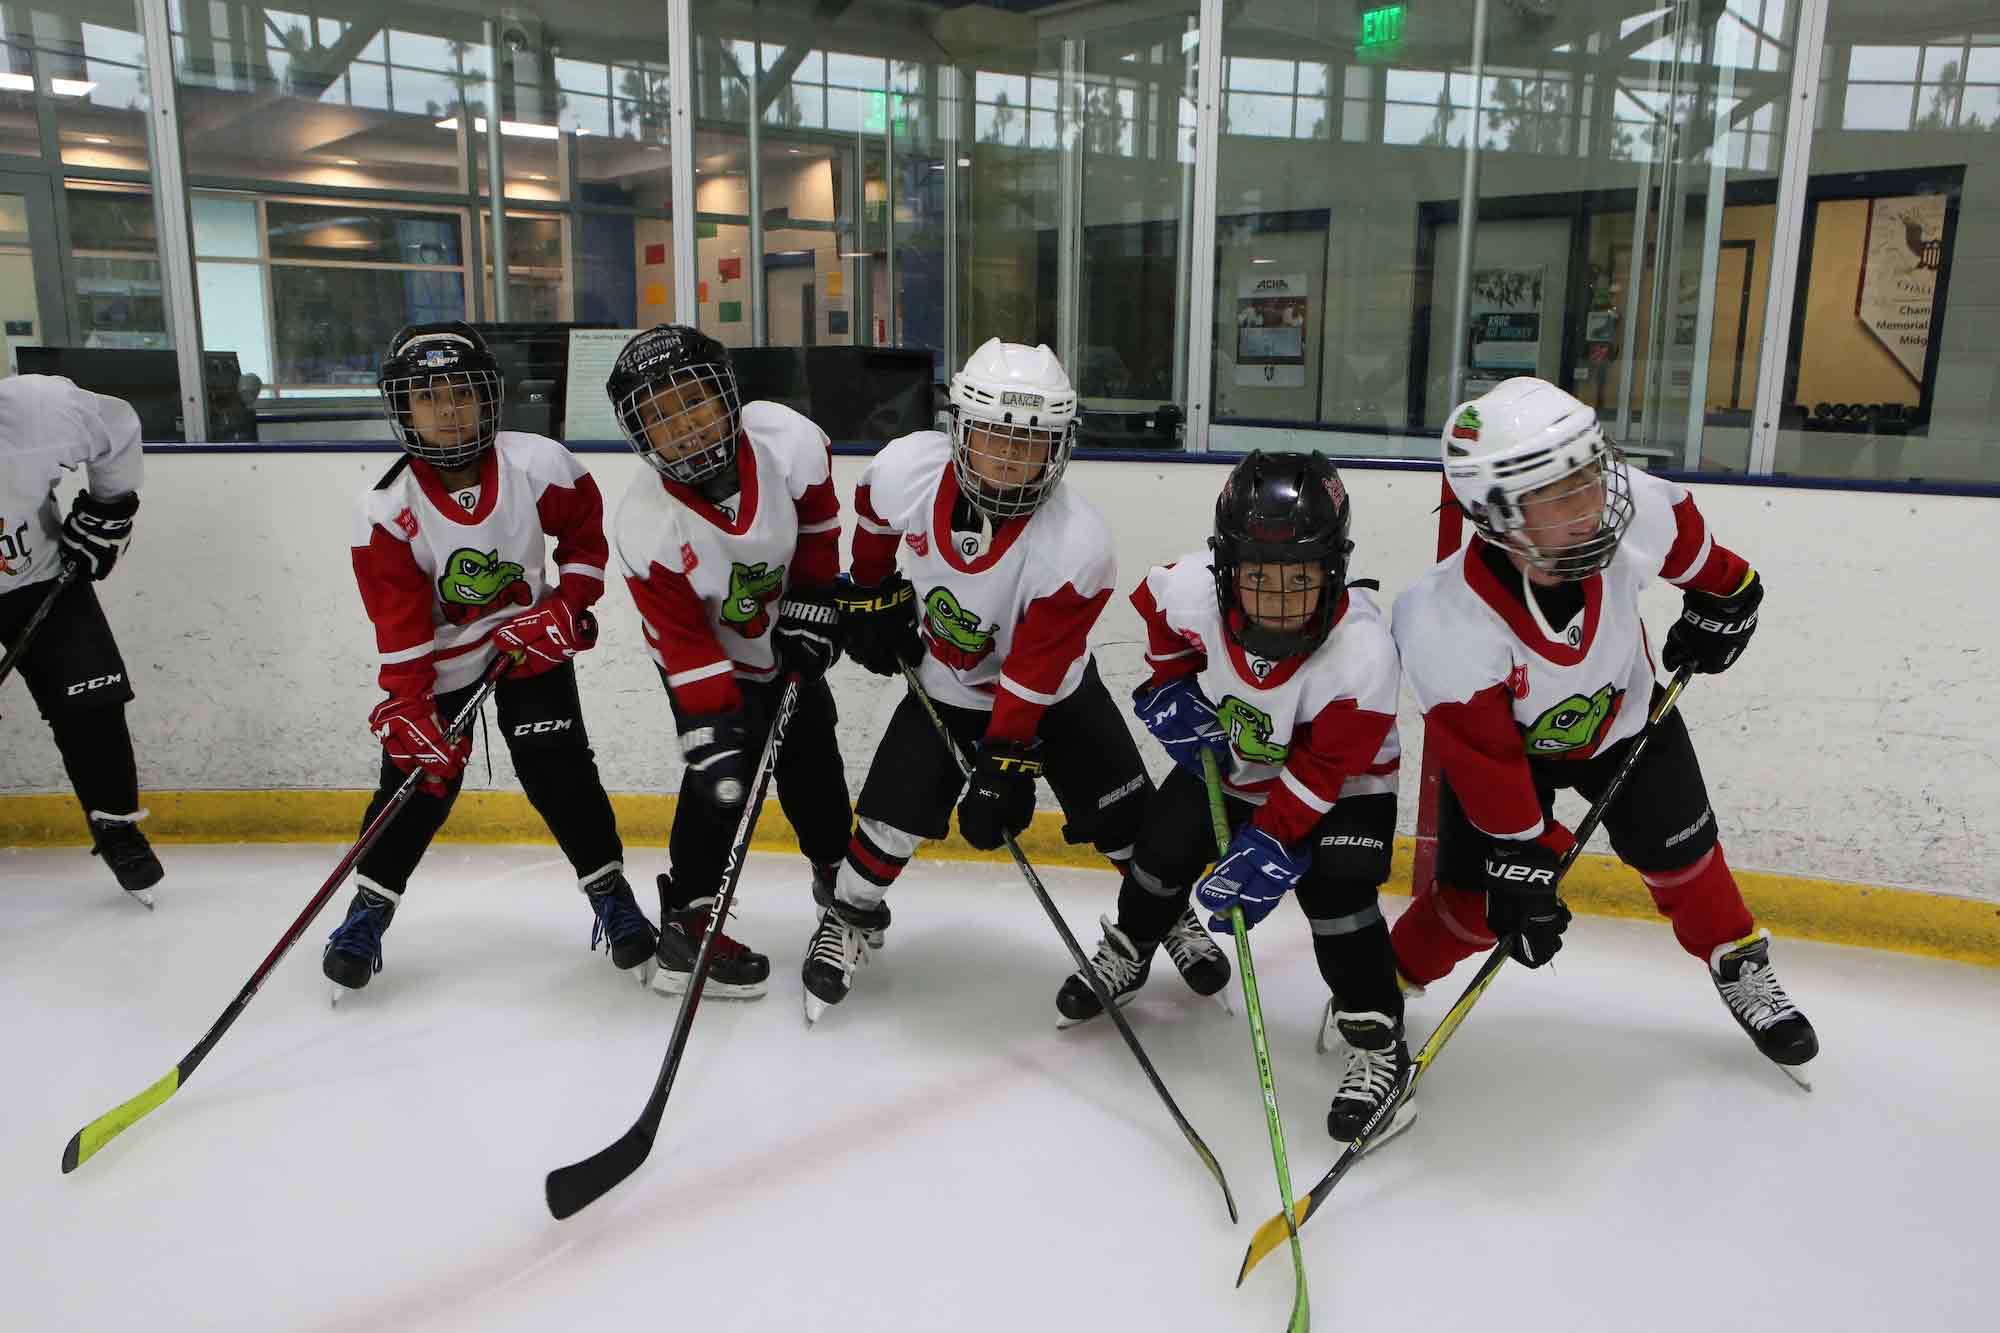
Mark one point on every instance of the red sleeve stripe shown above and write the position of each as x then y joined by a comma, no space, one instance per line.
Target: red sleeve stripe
1691,543
424,649
678,679
1012,686
1305,794
831,525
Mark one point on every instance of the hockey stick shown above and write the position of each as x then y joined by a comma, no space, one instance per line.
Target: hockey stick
570,1189
1301,1303
1083,967
1275,1229
71,570
83,1144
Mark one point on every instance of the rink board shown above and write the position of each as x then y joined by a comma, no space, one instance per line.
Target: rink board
1934,925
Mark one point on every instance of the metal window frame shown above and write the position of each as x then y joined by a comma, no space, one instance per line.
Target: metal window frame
680,145
1201,271
171,217
1808,59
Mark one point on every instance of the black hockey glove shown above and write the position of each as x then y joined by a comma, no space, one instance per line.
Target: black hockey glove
1713,631
1521,903
97,531
717,750
808,632
1001,799
880,623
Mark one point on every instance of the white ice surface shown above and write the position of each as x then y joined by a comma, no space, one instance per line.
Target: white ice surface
1599,1148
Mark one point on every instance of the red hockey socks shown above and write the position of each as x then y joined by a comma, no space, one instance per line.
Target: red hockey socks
1703,903
1442,927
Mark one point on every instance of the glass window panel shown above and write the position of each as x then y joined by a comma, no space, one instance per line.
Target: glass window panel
1416,85
233,315
224,228
855,71
1258,114
1270,76
111,220
1982,64
1883,62
332,323
1314,78
1871,106
118,303
358,233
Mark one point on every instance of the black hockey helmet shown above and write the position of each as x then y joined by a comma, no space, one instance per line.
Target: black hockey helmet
674,392
451,374
1286,509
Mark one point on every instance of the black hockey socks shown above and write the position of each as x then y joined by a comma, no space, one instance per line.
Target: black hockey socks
1356,962
96,750
566,792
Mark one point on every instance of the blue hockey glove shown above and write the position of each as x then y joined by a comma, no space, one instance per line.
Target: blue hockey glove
1254,874
1183,721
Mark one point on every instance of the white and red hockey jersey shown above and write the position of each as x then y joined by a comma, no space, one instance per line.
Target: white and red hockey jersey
48,427
438,574
1303,731
707,578
1004,628
1499,685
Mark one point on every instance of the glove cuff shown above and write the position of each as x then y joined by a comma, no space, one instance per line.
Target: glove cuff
119,507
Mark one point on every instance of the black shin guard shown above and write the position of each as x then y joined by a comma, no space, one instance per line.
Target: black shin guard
1357,964
96,749
1148,908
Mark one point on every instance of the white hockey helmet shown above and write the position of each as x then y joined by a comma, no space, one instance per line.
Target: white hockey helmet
1523,436
1011,404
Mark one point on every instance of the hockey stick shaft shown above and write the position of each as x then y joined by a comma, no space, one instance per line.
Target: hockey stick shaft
1084,969
19,648
84,1144
1253,1005
570,1189
1267,1236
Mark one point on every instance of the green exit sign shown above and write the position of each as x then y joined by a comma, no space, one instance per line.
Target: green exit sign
1381,29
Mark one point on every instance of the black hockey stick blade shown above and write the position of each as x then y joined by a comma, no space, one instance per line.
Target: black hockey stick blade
570,1189
573,1188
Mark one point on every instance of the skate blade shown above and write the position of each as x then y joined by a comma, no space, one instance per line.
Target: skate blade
666,981
814,1008
1406,1114
144,897
1221,997
645,971
333,999
1792,1073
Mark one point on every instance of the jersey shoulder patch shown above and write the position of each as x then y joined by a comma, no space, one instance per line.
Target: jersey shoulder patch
799,446
902,479
647,528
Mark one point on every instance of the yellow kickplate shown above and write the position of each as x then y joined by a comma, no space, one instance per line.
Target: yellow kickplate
1964,930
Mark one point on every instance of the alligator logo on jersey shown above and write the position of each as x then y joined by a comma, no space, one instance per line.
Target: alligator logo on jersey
752,589
1574,726
475,581
956,636
1249,729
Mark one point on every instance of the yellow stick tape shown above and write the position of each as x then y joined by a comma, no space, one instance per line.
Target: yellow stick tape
1906,920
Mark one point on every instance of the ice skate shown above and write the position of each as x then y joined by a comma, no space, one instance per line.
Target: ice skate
353,952
125,850
825,879
1378,1061
1199,958
627,935
836,951
1119,963
1741,970
735,971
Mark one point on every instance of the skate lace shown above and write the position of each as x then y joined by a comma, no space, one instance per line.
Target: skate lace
1188,943
361,934
1757,997
1113,966
1369,1077
616,919
837,944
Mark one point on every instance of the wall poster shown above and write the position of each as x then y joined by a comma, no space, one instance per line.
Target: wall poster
1903,252
1506,326
1271,310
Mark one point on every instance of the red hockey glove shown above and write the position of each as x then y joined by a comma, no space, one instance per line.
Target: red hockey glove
413,738
546,637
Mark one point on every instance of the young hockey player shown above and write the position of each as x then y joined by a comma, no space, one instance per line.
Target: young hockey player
450,550
1528,656
731,553
1006,568
48,427
1265,656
